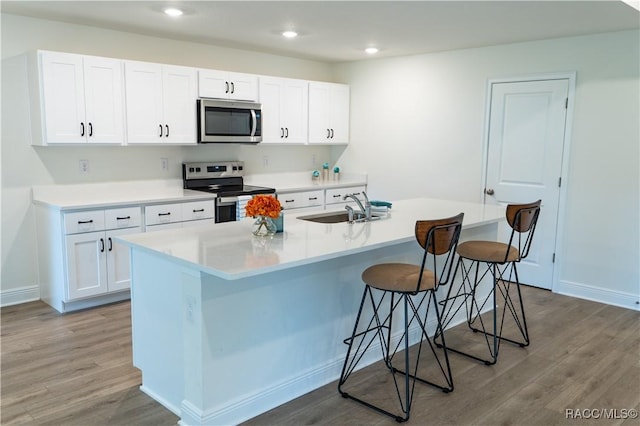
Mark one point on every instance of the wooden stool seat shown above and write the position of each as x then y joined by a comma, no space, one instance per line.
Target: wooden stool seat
488,251
401,277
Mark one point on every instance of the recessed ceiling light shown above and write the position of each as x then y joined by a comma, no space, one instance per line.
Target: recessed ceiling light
290,34
173,12
371,50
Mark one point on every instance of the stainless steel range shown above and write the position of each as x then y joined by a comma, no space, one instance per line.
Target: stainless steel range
225,180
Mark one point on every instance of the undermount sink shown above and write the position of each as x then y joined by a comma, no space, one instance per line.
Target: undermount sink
336,217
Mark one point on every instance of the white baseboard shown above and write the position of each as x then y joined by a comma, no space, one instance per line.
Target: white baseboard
15,296
597,294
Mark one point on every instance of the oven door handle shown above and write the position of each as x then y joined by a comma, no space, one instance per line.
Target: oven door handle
226,201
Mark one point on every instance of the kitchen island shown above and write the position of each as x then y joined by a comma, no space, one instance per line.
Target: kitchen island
227,325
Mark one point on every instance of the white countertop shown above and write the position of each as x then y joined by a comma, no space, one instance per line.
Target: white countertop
116,194
302,181
230,251
101,195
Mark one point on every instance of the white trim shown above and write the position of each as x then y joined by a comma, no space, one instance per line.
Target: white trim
597,294
564,173
16,296
175,410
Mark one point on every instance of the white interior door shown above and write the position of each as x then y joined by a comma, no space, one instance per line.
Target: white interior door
525,146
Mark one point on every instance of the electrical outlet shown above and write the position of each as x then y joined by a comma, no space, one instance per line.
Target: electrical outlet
83,166
164,164
265,160
314,159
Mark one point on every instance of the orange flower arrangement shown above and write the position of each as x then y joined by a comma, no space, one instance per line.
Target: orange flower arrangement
263,205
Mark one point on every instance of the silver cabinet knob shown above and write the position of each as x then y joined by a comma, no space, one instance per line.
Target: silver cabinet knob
488,191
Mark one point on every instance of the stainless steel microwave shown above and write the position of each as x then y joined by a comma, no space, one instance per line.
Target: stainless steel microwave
221,121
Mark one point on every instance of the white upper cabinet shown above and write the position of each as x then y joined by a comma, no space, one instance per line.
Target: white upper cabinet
227,85
180,94
161,103
284,110
81,100
328,113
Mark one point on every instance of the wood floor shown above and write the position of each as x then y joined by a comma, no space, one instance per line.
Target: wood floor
75,369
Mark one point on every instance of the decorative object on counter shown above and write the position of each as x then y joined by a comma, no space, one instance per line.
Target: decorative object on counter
264,208
315,175
336,173
378,206
264,227
279,222
378,203
325,171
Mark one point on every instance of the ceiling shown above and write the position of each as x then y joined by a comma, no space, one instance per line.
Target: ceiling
338,31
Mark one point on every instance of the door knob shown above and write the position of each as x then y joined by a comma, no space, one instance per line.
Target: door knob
488,191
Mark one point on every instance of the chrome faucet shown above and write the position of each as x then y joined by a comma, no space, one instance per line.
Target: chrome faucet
364,209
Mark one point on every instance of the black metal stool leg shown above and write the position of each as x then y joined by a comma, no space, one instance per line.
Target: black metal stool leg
404,379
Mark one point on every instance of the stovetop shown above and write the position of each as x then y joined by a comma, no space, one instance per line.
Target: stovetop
221,178
234,190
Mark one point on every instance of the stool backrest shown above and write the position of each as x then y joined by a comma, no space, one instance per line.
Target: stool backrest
439,237
523,219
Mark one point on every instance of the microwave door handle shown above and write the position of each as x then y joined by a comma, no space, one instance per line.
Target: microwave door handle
254,120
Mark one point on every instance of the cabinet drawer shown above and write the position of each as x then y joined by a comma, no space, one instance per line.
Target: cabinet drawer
163,213
128,217
296,200
198,210
336,195
87,221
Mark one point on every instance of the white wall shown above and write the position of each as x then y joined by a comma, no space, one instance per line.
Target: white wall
416,129
417,126
24,166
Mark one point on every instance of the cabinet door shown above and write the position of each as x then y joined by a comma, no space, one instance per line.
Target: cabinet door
144,102
63,92
86,265
118,263
271,100
328,113
213,84
295,114
104,100
284,110
179,100
319,127
339,113
244,87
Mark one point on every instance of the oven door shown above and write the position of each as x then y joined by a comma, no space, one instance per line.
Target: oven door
226,209
230,122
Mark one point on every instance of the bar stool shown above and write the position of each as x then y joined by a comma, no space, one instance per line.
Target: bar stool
407,287
499,260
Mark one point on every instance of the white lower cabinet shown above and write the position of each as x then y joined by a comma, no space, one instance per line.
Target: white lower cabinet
96,264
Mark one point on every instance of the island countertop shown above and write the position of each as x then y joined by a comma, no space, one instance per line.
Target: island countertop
230,251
